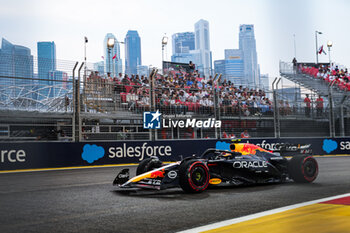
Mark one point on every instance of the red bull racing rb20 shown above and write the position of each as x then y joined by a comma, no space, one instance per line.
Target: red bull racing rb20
244,163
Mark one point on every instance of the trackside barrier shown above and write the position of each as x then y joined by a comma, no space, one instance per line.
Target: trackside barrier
66,154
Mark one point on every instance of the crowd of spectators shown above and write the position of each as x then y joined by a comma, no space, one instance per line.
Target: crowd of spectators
328,73
179,92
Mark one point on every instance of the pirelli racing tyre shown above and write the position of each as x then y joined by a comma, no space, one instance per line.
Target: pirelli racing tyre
147,165
193,176
303,168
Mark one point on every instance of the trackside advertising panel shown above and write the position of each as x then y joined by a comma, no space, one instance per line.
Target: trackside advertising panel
65,154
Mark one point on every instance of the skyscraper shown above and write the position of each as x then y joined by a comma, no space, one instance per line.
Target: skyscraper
132,52
248,46
231,67
202,46
46,65
46,59
183,42
112,57
184,48
16,61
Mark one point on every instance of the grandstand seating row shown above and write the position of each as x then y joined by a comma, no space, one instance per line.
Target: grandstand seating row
329,74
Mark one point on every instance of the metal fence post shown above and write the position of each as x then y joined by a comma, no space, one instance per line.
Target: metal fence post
74,101
78,119
342,131
153,100
276,110
217,136
331,111
274,106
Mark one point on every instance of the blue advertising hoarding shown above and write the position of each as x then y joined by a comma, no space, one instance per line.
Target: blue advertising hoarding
30,155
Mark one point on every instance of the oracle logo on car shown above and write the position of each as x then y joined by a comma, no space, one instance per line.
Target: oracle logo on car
12,156
250,164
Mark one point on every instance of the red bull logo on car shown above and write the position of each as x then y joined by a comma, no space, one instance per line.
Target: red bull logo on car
246,149
157,174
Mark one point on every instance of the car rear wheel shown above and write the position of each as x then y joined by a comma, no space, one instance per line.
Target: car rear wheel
194,176
303,169
148,164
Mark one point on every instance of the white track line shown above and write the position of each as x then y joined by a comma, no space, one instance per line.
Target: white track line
258,215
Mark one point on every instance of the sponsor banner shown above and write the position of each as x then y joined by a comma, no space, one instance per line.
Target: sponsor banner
30,155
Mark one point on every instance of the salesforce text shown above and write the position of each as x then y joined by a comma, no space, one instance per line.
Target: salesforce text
138,151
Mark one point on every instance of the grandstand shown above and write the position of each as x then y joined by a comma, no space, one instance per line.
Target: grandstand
84,104
328,81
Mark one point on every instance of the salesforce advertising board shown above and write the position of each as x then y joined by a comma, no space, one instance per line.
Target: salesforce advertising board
65,154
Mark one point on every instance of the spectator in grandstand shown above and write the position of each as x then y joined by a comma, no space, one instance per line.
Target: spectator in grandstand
253,107
120,77
62,136
131,99
287,108
245,134
180,106
307,103
227,105
192,67
122,135
144,104
232,135
172,103
224,135
66,103
244,108
319,106
295,64
210,106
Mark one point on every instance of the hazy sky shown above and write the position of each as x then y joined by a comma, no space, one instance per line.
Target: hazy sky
67,22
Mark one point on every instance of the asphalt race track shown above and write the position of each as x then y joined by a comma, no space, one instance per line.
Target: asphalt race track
84,200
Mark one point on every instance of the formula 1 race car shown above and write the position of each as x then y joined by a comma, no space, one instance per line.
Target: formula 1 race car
244,164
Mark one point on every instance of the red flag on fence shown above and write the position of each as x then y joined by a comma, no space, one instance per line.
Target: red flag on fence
321,50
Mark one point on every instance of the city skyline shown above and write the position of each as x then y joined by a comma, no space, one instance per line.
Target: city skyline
275,24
